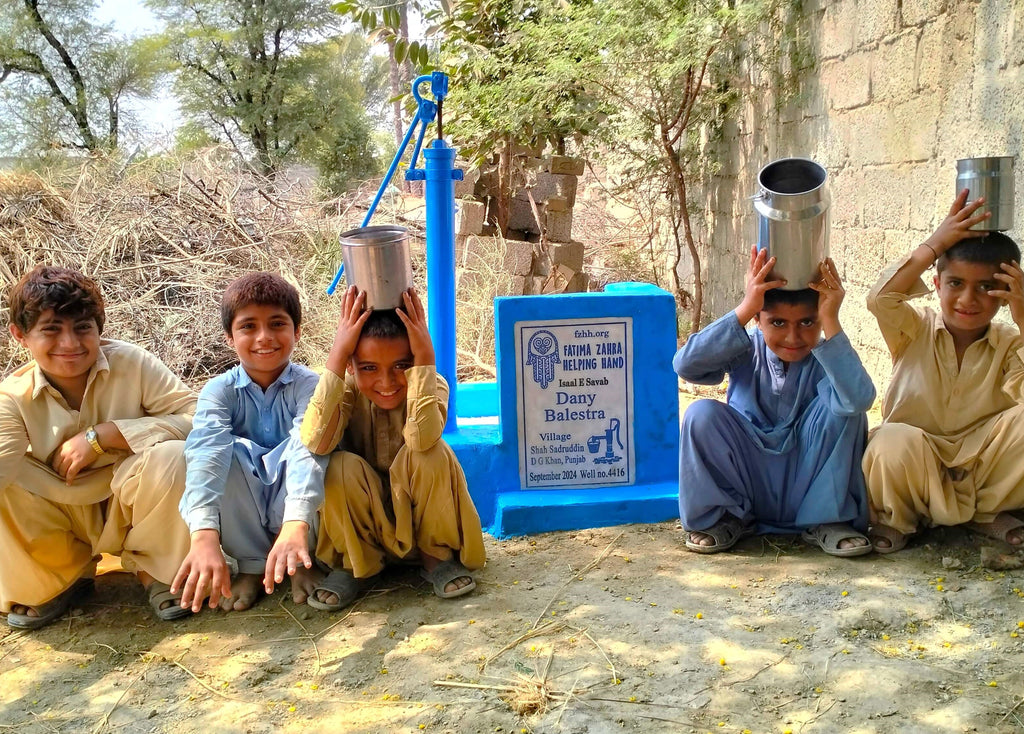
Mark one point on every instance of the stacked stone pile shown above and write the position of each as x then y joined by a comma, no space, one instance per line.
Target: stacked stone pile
523,262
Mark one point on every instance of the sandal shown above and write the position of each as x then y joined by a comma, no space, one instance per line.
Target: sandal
1001,526
53,609
158,593
828,536
726,533
897,540
445,573
342,584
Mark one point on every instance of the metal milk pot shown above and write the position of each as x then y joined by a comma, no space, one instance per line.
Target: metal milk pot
376,260
793,223
991,177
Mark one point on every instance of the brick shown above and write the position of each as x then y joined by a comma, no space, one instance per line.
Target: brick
913,133
885,195
838,27
559,226
562,164
469,217
557,204
928,195
847,83
520,215
569,254
867,126
893,71
917,12
934,55
533,151
517,285
875,21
518,257
553,184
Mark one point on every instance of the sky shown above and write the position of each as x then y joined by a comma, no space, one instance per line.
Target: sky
158,116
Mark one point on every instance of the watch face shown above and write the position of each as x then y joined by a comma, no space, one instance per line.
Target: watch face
90,435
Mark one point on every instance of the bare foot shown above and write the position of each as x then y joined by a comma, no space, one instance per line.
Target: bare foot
304,580
23,609
430,563
245,590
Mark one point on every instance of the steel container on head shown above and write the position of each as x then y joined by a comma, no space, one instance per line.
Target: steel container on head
793,220
991,177
376,260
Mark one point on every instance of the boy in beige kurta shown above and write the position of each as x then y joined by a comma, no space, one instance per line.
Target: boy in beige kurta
91,455
948,450
393,489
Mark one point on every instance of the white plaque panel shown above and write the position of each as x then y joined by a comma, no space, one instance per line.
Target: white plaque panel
574,385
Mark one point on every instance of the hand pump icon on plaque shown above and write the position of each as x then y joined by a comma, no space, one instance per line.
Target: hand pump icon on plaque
594,444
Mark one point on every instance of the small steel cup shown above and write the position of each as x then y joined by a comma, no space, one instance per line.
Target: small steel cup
991,177
377,262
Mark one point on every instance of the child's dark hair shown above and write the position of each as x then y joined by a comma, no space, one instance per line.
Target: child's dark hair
261,289
69,293
779,297
990,248
384,324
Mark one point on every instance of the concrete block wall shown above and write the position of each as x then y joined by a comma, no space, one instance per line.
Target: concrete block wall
898,92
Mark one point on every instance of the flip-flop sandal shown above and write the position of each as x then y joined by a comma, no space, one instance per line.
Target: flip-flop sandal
342,584
446,572
726,533
897,540
53,609
828,536
1003,524
158,593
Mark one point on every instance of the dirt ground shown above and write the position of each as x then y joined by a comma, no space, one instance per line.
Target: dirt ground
606,630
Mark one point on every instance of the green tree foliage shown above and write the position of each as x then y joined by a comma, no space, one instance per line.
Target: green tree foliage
243,70
347,87
515,80
671,69
64,77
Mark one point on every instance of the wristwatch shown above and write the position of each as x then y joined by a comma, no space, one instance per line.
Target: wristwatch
93,439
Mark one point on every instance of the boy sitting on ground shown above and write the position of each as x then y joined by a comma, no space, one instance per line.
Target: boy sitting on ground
91,455
251,486
784,453
948,450
394,489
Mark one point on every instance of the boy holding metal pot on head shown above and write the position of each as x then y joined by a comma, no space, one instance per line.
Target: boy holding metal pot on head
394,489
783,454
948,450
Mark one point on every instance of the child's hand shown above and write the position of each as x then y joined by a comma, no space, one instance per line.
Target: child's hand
415,320
830,297
957,224
204,572
755,284
73,455
350,326
290,549
1013,276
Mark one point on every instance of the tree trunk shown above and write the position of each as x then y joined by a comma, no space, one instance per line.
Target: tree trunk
679,182
504,185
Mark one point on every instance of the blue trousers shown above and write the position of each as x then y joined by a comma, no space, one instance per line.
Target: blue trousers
724,467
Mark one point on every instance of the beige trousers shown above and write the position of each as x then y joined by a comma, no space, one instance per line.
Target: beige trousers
45,546
426,508
909,484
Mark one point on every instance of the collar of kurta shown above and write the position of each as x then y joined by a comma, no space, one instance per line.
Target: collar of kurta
994,335
40,383
242,379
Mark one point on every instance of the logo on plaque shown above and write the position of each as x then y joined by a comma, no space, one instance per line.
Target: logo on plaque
575,402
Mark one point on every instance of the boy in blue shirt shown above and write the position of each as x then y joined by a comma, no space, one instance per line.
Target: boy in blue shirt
784,454
251,486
